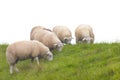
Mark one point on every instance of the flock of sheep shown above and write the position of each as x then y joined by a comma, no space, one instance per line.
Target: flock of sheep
43,40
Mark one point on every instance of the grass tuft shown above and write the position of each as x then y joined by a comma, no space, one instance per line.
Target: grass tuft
75,62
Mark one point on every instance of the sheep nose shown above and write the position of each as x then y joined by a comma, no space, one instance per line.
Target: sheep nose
51,59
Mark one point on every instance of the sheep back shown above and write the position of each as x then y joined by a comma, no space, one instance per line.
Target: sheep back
36,29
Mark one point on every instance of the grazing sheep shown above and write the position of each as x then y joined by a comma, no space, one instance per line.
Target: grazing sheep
24,50
84,34
35,29
48,38
63,33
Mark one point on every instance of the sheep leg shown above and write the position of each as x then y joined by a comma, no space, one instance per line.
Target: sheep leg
11,69
32,59
77,40
37,59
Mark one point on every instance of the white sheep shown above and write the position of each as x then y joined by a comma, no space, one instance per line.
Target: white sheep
24,50
84,34
63,33
48,38
35,29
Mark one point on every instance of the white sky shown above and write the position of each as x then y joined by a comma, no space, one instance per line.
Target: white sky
18,17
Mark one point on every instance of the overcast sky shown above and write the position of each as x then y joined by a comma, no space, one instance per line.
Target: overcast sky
18,17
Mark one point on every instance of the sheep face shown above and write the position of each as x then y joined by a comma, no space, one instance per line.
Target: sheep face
67,40
59,46
87,40
49,56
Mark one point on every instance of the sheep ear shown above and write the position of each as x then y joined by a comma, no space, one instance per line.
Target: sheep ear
91,38
65,38
83,39
47,53
55,45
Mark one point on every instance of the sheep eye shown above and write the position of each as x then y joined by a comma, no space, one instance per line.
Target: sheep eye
49,55
66,40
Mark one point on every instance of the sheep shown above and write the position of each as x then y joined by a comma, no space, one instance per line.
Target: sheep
48,38
84,34
35,29
22,50
63,33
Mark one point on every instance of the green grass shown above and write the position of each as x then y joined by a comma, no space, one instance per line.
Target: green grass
76,62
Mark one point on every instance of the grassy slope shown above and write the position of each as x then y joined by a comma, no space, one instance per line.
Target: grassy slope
75,62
